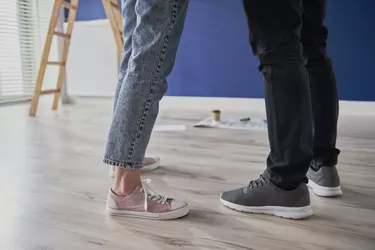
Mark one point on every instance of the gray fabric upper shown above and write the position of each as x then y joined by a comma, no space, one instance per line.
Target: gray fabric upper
325,176
269,194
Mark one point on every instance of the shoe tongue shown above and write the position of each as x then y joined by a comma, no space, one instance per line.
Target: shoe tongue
137,189
266,175
316,164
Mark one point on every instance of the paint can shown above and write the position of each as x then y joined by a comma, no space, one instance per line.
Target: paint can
216,115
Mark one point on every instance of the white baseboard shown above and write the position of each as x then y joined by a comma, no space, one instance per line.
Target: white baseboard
212,103
249,105
357,108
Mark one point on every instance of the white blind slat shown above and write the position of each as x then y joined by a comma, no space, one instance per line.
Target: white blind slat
23,28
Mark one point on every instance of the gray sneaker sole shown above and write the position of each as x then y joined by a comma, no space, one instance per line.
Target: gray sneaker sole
324,191
295,213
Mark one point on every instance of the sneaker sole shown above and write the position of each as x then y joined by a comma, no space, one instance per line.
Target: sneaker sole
175,214
145,168
295,213
324,191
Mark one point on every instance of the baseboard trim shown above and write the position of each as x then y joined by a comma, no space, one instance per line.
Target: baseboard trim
249,105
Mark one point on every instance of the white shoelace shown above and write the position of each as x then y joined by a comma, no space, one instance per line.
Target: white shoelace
151,195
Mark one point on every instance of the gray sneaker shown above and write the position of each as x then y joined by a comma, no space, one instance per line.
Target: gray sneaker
263,197
325,181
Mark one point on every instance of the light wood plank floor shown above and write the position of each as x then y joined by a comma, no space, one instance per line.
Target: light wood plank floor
53,186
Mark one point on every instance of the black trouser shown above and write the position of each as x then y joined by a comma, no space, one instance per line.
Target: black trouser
289,38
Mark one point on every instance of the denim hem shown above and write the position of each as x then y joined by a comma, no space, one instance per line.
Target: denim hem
127,165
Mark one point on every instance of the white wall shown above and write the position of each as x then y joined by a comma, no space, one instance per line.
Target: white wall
92,60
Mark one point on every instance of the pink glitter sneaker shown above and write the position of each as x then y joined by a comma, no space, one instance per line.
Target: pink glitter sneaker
145,203
149,163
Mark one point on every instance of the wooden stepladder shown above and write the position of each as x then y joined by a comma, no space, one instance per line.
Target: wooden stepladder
113,13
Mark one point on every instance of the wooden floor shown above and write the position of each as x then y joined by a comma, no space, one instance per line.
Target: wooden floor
53,186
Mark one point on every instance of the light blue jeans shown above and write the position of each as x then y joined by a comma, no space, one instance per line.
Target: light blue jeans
152,31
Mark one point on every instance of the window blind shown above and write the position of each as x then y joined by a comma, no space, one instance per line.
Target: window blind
23,28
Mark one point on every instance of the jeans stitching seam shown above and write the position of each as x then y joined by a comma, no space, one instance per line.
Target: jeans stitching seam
156,78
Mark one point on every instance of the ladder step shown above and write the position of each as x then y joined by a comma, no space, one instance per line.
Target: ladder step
49,91
56,63
114,3
61,34
68,5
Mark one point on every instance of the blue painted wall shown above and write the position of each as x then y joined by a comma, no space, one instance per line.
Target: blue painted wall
215,59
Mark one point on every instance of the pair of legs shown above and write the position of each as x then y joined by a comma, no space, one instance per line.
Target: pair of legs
289,38
277,28
152,30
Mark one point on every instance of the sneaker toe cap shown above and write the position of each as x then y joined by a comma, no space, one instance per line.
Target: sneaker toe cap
157,159
177,204
231,196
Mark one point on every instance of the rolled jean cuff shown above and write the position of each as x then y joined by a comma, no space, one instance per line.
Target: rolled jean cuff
127,165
